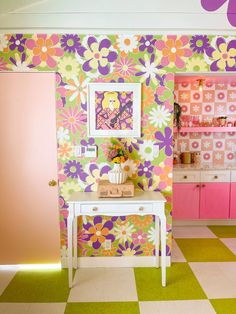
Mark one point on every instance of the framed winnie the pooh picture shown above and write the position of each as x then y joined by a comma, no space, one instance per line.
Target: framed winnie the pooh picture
114,110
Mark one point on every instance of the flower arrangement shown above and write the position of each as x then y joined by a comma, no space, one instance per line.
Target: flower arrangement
116,153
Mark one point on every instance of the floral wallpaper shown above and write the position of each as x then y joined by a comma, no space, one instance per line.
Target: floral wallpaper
216,99
150,60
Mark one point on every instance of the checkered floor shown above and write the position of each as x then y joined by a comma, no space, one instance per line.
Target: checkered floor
202,279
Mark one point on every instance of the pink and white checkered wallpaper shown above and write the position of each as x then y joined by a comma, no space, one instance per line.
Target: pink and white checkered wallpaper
216,99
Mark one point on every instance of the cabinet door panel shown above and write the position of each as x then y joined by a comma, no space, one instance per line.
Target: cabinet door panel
185,201
214,200
233,201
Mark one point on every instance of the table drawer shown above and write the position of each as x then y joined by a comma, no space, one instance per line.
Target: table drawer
119,209
215,176
186,176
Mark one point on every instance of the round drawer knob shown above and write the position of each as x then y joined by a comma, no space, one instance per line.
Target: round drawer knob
95,209
141,208
215,177
185,177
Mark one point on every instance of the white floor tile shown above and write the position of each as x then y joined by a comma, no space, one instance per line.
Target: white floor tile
176,307
32,308
103,284
47,308
230,243
5,278
218,280
176,254
192,232
15,308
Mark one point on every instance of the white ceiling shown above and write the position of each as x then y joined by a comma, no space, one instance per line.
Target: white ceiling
146,16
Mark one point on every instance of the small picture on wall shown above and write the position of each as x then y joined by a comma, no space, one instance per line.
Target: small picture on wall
114,109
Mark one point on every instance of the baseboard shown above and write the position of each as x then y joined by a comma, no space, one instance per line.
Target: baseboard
119,261
201,222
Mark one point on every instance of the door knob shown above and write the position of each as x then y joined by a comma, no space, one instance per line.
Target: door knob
52,183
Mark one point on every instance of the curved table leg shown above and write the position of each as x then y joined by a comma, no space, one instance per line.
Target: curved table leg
70,240
163,249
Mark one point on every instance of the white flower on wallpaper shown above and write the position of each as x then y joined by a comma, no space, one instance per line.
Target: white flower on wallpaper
124,232
232,96
208,96
218,156
151,235
206,144
127,43
130,167
3,42
159,116
184,96
62,134
220,109
148,151
68,188
68,67
196,108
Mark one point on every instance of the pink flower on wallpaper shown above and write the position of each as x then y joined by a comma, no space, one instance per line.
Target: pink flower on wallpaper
72,119
44,49
174,50
3,65
214,5
125,66
139,237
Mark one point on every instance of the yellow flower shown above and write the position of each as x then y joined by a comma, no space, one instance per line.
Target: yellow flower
225,57
196,64
116,160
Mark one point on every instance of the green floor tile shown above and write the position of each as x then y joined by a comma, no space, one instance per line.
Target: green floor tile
224,306
37,286
103,308
223,231
181,284
205,250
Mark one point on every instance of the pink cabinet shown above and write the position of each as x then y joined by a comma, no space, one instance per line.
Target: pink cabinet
233,201
186,200
214,200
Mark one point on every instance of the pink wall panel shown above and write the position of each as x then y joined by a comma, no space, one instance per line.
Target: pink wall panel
233,201
29,219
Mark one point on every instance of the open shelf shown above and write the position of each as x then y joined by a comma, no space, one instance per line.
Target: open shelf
201,129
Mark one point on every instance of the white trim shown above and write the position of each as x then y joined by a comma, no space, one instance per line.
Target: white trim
201,222
118,261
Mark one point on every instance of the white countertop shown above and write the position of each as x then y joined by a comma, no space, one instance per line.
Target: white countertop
204,166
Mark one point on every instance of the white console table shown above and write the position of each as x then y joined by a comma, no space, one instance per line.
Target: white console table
143,203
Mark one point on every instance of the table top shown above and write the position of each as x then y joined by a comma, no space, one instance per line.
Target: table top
139,196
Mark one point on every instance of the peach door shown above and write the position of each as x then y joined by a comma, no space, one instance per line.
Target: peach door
29,217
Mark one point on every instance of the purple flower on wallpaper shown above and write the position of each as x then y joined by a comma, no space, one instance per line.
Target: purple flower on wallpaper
199,43
214,5
165,140
95,173
147,43
17,42
70,43
115,218
74,169
62,203
98,232
20,63
120,80
129,249
145,169
223,55
149,185
96,56
90,141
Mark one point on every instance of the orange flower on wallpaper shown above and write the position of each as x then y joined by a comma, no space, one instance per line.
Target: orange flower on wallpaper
148,249
141,221
111,252
166,176
98,233
149,132
147,96
65,150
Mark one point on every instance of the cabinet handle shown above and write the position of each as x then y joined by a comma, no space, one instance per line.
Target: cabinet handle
215,177
185,177
198,186
203,185
141,208
95,209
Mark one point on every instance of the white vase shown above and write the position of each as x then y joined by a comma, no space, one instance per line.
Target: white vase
117,175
